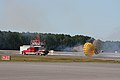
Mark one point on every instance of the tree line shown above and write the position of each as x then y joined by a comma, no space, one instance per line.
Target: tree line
13,40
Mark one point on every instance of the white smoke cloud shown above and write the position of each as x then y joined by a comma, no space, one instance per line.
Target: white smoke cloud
110,46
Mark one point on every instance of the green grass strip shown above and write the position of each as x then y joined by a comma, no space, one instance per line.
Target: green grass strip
57,59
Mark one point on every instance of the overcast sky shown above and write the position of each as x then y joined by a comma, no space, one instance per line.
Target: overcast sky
96,18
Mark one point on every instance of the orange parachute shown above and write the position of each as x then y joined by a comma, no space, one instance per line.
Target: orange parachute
88,49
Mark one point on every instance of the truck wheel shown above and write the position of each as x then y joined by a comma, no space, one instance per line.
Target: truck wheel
46,52
38,54
43,54
23,53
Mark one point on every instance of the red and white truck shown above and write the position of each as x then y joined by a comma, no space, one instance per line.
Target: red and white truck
36,47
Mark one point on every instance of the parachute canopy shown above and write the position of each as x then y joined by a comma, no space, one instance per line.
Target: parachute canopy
88,49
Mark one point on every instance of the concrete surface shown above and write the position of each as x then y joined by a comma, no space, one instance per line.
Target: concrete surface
59,71
81,54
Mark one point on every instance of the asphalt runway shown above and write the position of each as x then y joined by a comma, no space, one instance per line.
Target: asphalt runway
81,54
59,71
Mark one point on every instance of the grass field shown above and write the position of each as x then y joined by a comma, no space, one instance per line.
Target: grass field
16,58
